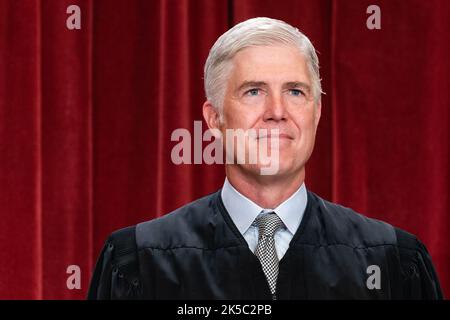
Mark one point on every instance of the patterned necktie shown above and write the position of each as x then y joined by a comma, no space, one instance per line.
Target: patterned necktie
268,224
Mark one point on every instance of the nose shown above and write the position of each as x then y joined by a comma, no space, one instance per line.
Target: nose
275,108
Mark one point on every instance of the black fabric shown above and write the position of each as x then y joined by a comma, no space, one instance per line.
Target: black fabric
196,252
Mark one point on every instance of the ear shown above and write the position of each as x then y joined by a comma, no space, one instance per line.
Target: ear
211,116
318,112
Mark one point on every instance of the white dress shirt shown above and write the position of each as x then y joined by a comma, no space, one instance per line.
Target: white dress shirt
243,212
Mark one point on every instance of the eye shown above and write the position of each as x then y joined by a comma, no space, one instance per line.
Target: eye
252,92
296,92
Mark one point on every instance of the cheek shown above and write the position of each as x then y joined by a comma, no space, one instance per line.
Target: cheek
305,119
306,131
235,116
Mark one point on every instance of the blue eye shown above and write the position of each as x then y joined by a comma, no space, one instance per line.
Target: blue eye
252,92
296,92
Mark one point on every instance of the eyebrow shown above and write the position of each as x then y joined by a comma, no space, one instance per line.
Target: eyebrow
289,85
248,84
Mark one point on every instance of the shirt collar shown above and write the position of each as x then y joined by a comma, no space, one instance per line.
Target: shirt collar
244,211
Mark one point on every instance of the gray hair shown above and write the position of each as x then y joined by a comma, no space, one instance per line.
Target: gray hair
254,32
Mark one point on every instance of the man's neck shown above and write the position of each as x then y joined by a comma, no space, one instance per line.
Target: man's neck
266,191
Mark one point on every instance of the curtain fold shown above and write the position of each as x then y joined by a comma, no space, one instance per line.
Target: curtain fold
66,72
21,244
86,118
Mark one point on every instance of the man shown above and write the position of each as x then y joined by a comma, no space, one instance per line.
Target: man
264,236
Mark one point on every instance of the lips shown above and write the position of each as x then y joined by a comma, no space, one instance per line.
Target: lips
275,135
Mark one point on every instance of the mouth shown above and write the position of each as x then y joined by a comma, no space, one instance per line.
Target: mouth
276,136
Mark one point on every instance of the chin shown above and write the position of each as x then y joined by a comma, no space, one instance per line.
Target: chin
277,169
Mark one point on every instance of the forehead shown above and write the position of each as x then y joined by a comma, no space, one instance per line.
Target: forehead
269,64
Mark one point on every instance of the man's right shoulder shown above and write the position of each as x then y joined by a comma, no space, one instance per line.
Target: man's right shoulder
183,227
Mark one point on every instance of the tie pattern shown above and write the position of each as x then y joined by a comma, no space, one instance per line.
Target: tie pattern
267,225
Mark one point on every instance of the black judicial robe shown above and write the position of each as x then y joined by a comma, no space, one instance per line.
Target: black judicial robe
196,252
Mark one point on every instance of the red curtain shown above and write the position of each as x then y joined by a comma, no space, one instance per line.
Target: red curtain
86,118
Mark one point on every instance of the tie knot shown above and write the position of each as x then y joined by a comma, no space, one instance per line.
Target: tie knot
268,224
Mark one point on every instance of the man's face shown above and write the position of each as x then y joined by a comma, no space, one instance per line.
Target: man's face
269,87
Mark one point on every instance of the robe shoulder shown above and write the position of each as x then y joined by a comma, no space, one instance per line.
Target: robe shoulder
116,273
341,225
188,226
334,224
420,280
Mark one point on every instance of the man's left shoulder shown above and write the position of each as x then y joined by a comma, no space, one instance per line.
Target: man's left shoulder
347,226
